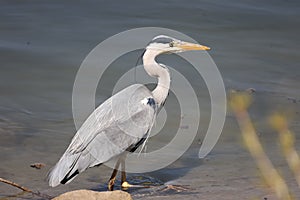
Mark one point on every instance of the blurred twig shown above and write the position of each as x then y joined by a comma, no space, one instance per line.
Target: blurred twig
287,140
24,188
239,104
15,185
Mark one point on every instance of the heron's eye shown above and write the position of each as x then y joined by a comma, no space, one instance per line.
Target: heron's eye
171,44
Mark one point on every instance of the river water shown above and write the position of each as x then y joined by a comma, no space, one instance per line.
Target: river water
255,44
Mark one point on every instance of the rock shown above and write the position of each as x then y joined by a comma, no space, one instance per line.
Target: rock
292,99
92,195
37,165
251,90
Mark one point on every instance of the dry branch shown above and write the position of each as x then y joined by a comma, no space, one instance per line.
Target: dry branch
24,188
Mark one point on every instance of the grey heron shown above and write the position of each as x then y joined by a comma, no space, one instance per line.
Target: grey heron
123,122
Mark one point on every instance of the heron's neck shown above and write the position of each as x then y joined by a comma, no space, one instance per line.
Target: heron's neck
161,91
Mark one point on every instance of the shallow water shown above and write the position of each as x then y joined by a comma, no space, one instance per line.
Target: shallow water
42,44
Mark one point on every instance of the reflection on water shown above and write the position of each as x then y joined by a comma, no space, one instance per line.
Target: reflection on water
254,44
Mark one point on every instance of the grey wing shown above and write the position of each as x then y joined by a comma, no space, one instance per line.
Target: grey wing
115,126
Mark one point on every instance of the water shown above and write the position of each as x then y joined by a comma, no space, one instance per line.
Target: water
42,44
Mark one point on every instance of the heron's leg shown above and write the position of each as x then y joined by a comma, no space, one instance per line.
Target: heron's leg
112,179
124,183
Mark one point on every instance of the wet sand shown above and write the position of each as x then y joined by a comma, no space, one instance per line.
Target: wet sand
228,172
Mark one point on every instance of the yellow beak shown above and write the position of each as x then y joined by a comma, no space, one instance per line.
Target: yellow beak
191,46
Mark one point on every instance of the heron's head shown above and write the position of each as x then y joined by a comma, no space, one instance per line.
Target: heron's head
166,44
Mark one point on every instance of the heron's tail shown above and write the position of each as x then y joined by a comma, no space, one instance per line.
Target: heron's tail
64,171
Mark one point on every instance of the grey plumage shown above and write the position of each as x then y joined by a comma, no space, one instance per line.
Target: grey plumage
116,125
